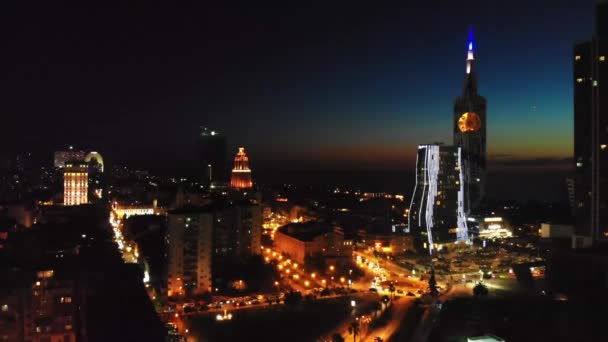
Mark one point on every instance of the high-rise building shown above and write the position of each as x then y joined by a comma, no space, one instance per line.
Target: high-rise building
436,214
212,153
241,174
591,132
189,270
202,237
75,183
62,157
470,134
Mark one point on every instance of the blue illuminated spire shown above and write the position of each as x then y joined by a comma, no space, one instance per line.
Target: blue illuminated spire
471,38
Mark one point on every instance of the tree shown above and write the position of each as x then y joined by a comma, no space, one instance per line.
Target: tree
480,290
293,298
376,306
354,330
433,284
337,338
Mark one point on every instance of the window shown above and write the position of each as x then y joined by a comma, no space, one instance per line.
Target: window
595,83
4,308
577,58
603,146
602,58
579,80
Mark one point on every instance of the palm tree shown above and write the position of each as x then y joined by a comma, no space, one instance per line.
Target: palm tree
354,330
337,338
480,290
433,284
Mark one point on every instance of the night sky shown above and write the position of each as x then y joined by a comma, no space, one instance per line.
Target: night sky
311,86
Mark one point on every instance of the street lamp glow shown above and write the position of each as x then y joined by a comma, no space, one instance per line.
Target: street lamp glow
353,303
331,268
306,283
313,276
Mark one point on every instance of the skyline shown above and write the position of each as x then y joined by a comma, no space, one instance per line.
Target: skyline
321,87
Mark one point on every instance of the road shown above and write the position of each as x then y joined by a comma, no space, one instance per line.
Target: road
398,311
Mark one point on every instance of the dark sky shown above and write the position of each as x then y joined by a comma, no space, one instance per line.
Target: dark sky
308,85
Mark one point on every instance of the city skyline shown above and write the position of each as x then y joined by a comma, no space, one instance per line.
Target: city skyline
321,88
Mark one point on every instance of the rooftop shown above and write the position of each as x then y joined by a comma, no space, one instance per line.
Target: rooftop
306,231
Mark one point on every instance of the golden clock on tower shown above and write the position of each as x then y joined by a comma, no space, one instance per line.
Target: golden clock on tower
469,122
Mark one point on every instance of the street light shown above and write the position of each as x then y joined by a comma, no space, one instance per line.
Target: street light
331,268
313,276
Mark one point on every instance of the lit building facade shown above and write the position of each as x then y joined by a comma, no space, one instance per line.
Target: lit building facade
494,228
212,154
299,240
42,308
241,174
189,257
200,237
590,135
437,214
470,134
75,183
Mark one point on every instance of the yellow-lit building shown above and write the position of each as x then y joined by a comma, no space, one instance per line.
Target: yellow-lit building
75,183
305,239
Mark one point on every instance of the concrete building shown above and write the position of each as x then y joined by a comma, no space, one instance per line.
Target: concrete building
75,183
189,258
311,238
437,213
201,237
40,309
549,230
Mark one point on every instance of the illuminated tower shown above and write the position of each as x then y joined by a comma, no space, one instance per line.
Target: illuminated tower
241,174
436,215
470,134
75,183
590,60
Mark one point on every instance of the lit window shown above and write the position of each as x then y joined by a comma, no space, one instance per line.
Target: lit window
438,202
4,308
579,164
577,58
595,83
579,80
602,58
603,146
